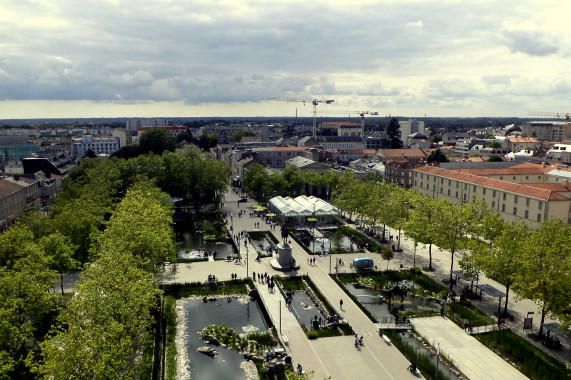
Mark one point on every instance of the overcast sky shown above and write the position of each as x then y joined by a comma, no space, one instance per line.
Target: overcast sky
145,58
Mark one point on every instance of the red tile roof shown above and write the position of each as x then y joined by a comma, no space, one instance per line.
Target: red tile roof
492,183
526,168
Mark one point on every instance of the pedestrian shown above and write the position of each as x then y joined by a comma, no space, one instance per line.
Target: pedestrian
356,341
341,305
254,275
442,311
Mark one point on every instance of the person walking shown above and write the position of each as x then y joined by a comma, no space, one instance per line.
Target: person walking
341,305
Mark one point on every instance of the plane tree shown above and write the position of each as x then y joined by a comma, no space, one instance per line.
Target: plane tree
419,226
451,222
545,270
103,328
141,225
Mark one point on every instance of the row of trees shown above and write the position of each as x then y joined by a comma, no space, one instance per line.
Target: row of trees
114,218
289,182
100,332
92,191
103,330
536,262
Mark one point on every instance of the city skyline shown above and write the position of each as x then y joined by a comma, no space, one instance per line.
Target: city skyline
176,58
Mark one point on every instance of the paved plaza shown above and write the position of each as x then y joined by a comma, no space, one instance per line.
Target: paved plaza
337,356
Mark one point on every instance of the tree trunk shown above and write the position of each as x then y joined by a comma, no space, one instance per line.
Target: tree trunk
430,257
451,267
507,296
542,320
61,282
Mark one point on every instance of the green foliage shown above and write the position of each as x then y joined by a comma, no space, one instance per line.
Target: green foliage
494,144
156,140
388,255
105,324
422,360
436,138
171,350
199,289
466,312
437,156
393,135
531,361
494,158
545,269
141,225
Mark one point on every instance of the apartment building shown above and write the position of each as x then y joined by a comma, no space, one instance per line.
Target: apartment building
544,130
16,193
532,203
99,145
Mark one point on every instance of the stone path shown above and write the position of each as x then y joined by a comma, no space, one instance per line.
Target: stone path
471,357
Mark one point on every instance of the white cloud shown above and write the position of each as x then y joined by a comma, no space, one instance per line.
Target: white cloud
415,23
404,56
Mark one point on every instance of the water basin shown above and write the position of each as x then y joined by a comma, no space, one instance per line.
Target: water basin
241,314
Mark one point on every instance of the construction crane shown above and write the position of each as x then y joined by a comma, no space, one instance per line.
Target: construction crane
315,102
361,114
558,115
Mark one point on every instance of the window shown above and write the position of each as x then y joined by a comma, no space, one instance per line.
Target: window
449,182
504,196
457,184
526,214
474,188
484,191
456,194
514,177
501,178
540,205
539,218
494,193
527,202
503,208
526,177
515,198
448,192
515,210
493,204
441,180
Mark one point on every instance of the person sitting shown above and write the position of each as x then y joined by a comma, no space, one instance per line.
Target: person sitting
412,367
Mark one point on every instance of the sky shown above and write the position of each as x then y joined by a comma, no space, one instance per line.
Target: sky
199,58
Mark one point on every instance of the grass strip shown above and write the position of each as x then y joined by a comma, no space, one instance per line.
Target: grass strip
530,360
414,355
171,351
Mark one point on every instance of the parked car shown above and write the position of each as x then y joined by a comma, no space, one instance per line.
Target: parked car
243,199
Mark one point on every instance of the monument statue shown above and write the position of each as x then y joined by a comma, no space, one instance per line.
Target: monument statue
285,234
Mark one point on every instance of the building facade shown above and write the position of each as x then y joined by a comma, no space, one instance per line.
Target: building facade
99,145
513,201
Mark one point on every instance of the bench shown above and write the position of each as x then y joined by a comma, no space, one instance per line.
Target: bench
284,338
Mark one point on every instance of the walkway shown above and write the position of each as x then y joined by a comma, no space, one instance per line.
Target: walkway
471,357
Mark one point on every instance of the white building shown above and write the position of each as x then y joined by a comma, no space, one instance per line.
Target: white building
559,153
99,145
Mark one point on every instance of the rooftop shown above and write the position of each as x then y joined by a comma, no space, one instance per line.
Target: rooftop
515,188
